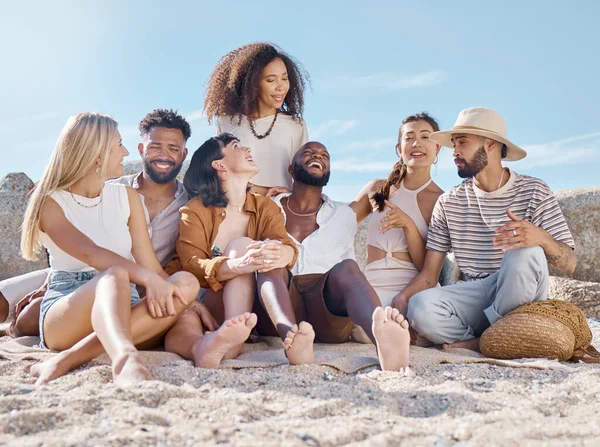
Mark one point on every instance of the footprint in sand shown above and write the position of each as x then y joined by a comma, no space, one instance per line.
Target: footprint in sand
393,339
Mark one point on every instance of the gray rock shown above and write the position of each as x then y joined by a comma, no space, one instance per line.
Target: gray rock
581,208
585,295
13,197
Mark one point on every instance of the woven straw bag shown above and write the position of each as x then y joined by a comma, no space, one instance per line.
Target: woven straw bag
551,329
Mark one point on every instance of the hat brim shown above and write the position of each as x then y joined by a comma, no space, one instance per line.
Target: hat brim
444,138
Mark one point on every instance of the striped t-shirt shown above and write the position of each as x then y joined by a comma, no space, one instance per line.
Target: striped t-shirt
465,220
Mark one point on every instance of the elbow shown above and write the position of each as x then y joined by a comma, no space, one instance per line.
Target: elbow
571,268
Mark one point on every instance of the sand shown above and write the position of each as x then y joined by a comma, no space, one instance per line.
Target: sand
475,404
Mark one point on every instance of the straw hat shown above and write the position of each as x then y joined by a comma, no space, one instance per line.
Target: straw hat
485,123
551,328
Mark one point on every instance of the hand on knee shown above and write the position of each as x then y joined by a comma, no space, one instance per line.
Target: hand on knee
187,284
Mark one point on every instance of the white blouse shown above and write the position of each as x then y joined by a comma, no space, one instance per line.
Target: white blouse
274,153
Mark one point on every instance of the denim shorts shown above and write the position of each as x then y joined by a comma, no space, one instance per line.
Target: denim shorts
61,284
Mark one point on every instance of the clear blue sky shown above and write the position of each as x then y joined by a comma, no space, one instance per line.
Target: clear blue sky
371,64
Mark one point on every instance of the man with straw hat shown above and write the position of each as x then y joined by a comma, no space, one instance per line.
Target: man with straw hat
503,228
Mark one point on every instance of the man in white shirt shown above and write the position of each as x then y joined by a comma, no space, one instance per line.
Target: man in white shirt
327,288
164,135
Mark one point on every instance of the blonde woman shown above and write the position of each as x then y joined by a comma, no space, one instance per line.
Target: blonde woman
94,233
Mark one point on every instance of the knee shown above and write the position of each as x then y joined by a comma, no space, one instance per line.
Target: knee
343,271
187,284
118,274
27,323
237,247
346,267
421,312
524,256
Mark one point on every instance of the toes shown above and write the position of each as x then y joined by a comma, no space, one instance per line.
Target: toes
294,329
251,321
399,318
379,316
305,328
395,313
287,343
404,323
388,313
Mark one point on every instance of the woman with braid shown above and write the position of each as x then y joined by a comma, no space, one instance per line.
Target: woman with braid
401,209
256,93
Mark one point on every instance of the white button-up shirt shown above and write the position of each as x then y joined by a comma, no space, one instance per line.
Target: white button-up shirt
331,243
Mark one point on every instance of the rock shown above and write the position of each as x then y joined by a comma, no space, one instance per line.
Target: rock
581,208
585,295
13,197
360,245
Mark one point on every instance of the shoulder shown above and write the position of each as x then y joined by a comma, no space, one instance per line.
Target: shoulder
431,194
296,122
374,185
343,211
265,205
527,182
227,123
456,192
128,180
195,206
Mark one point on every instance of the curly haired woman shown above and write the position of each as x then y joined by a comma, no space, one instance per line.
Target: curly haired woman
256,93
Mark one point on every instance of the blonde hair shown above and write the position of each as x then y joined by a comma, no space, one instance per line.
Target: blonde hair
85,138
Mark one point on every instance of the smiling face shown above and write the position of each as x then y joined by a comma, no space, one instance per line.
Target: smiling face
237,159
163,152
416,149
311,165
114,164
274,85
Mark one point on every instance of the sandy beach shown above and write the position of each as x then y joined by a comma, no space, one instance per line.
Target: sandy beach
446,404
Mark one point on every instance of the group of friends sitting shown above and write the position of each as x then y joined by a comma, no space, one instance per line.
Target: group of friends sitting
248,243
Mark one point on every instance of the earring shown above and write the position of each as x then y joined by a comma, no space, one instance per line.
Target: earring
98,170
436,160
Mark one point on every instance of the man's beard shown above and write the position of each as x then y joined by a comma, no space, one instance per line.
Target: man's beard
302,175
475,165
161,177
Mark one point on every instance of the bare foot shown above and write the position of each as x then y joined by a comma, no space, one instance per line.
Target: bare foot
129,369
49,370
472,344
393,339
298,344
210,349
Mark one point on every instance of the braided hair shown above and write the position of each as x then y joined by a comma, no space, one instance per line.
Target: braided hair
399,170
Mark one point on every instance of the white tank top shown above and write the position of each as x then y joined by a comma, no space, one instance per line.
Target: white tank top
106,224
394,240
